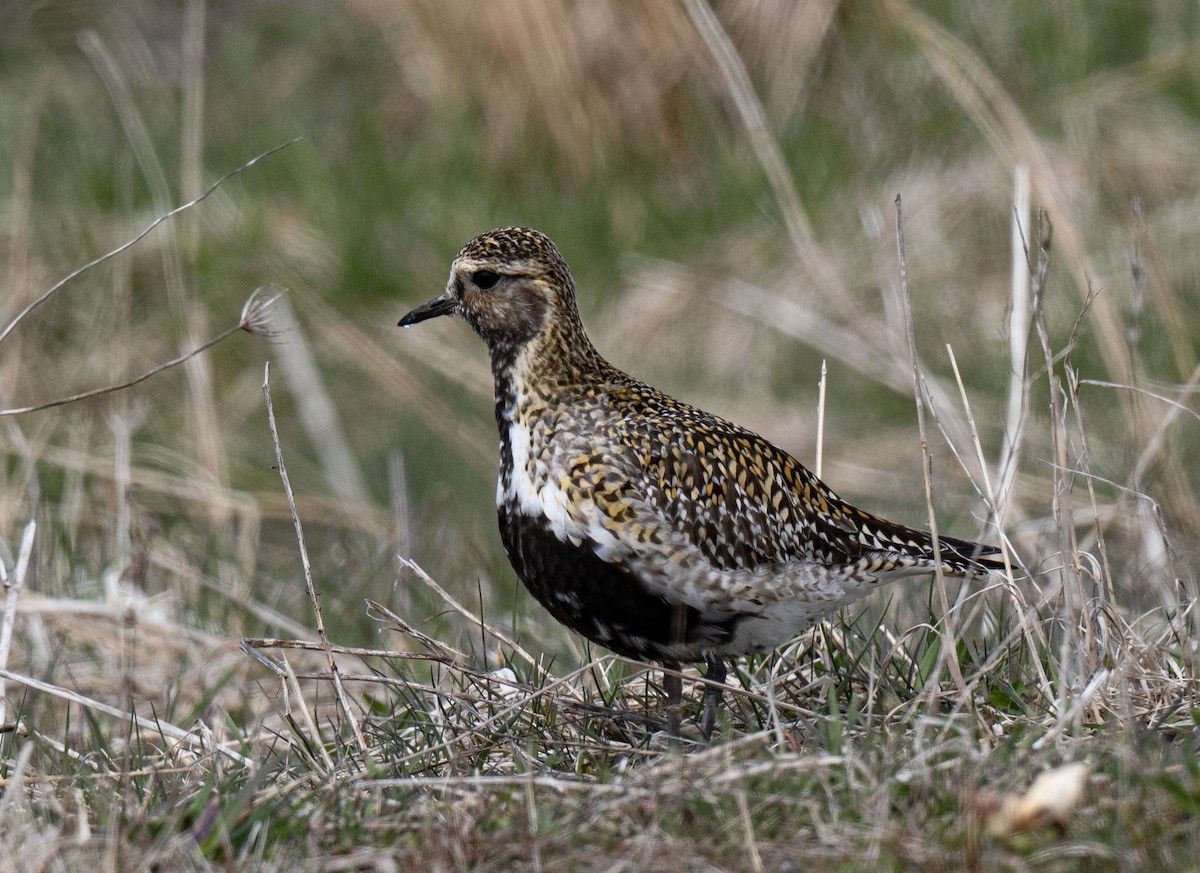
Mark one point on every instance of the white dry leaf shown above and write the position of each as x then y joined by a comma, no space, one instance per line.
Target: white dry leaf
1049,801
507,686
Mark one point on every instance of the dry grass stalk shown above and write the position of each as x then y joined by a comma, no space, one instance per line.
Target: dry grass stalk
1018,344
255,319
131,242
192,739
12,592
309,584
766,147
983,97
950,642
493,632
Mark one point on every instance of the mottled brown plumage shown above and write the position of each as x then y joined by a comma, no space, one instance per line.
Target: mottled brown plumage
649,526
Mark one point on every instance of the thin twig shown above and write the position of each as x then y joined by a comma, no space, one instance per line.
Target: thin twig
766,148
1018,344
46,295
154,725
475,619
1061,502
986,490
12,591
821,419
252,314
290,681
441,650
948,650
252,643
1027,628
1179,407
308,577
1105,571
107,389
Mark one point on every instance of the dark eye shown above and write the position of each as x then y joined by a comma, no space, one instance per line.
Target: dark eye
485,279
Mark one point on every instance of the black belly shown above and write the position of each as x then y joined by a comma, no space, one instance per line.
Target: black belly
604,602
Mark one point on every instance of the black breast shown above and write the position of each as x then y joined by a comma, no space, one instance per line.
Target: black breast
604,602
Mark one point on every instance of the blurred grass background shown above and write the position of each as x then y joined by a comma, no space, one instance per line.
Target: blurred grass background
609,126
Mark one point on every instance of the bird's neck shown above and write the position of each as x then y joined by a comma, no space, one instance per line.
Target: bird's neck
549,369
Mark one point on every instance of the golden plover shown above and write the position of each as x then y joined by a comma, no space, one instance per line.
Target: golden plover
649,526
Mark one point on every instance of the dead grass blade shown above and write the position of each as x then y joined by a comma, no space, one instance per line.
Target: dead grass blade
152,725
309,584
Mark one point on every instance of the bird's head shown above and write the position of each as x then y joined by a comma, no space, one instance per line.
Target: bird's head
512,287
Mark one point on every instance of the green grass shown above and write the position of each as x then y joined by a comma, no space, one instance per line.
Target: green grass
487,736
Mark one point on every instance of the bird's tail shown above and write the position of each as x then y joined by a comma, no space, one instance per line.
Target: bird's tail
967,558
910,550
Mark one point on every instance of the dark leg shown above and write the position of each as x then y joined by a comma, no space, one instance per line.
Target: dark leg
673,685
712,694
672,681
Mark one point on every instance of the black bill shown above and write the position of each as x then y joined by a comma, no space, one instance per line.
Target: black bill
440,305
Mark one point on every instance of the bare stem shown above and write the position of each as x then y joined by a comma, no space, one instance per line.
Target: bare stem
12,591
46,295
821,419
948,650
308,576
152,725
120,386
253,320
766,147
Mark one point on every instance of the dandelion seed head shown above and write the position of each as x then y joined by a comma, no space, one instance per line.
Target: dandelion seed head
258,312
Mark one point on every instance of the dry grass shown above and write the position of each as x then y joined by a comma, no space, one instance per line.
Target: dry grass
172,700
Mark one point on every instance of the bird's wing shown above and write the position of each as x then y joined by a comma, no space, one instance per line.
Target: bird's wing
744,503
696,479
